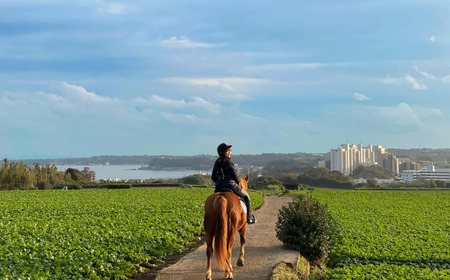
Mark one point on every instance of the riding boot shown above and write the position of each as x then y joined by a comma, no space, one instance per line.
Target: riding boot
250,217
242,193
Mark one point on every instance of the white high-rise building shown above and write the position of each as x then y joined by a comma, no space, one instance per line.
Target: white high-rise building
337,159
348,157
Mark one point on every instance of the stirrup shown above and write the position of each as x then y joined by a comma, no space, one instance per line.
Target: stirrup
251,220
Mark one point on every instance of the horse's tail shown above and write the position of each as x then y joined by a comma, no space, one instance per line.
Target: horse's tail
221,234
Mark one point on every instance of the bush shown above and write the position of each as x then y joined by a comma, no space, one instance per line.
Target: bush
307,226
157,185
263,183
197,179
74,186
117,186
47,186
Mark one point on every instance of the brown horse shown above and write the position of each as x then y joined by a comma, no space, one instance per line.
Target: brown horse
223,217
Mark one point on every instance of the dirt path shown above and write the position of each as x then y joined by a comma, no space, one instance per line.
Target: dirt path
262,251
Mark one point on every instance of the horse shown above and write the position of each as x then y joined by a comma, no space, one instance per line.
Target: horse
223,217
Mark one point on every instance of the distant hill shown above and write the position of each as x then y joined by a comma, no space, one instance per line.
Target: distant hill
439,157
206,162
96,160
198,162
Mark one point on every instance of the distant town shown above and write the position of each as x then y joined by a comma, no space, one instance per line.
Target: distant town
348,157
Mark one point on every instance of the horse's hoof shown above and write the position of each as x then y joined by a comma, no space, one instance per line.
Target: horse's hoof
240,262
229,276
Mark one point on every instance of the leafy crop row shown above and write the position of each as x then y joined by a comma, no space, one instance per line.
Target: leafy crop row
95,234
390,235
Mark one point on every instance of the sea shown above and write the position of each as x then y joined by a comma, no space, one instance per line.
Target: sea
130,172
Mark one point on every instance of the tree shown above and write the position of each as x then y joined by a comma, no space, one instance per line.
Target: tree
76,175
289,165
197,179
372,183
286,178
19,176
373,171
324,177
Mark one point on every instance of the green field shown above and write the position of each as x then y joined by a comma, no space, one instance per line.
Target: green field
389,234
96,234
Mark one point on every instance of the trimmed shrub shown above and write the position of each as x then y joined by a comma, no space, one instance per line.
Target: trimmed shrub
156,185
117,186
74,186
307,226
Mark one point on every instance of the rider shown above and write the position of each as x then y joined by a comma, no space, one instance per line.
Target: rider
226,178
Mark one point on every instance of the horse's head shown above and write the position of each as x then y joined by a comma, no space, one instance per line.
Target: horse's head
243,184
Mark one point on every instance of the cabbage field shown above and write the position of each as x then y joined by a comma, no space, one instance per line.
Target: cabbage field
96,234
389,235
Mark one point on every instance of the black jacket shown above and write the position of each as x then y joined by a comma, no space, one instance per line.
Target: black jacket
224,174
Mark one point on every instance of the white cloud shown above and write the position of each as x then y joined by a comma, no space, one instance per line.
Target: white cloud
425,74
6,101
232,88
408,79
360,97
181,118
197,102
426,113
206,105
183,43
391,81
446,79
432,38
288,66
80,94
89,114
111,8
225,83
416,84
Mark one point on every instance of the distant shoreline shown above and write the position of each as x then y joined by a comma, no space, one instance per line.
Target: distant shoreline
171,169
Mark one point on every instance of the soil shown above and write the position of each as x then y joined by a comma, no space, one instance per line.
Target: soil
262,251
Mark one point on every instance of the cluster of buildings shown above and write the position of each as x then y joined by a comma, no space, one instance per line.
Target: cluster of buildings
89,174
427,173
348,157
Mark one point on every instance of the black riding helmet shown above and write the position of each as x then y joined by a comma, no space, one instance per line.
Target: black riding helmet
222,148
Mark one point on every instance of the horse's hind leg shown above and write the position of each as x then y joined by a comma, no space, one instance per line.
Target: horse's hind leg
240,261
209,253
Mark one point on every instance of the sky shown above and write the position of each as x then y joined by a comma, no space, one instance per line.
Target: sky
87,78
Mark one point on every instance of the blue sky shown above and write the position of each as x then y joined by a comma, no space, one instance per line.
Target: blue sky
85,78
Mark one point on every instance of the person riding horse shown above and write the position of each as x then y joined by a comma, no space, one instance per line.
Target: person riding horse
226,178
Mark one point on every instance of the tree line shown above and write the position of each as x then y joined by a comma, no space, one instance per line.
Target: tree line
20,176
